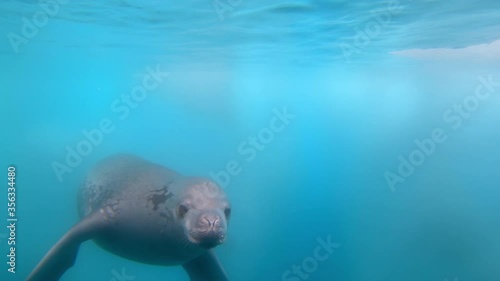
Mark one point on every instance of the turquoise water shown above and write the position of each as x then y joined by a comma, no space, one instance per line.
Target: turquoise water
390,150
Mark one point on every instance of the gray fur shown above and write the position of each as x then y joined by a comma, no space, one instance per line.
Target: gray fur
131,207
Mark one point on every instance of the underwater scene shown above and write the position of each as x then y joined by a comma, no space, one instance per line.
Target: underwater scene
242,140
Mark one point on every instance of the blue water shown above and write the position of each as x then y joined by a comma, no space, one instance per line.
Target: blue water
365,81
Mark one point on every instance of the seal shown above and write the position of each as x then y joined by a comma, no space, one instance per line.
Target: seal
145,212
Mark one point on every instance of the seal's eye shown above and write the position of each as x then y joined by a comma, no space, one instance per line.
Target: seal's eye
183,209
227,212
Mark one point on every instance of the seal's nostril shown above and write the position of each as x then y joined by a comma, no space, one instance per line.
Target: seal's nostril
212,220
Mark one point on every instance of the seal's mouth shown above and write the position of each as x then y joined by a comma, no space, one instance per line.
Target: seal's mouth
210,244
208,230
207,239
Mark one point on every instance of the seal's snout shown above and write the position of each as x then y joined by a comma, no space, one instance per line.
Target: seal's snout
211,221
212,230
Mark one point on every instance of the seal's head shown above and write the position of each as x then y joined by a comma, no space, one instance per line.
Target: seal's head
203,212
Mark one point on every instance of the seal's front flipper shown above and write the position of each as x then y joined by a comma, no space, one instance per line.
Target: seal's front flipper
205,268
63,254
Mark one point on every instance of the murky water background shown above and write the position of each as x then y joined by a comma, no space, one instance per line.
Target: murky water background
364,82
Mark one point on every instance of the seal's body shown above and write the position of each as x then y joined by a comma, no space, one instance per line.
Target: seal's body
147,213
